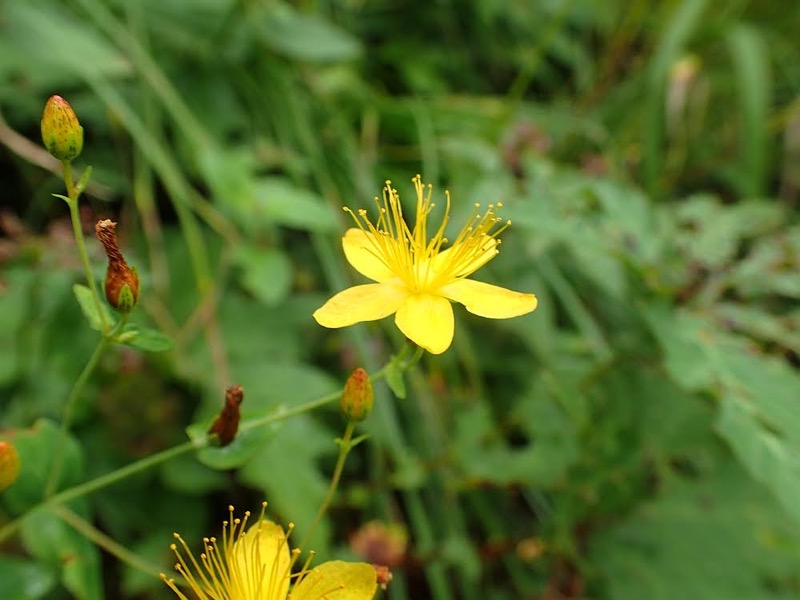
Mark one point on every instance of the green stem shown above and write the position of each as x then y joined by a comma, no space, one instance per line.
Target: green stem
66,417
345,445
153,460
73,193
100,539
103,481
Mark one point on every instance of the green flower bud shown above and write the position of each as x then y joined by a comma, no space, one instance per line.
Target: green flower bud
61,132
9,465
357,397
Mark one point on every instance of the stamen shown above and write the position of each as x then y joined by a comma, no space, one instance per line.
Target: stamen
411,254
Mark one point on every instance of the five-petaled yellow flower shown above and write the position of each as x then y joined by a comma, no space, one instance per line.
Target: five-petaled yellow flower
256,564
415,277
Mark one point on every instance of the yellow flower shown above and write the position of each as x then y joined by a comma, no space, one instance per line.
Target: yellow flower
256,564
416,278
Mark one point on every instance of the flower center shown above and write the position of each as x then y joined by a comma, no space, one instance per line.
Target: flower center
233,568
418,261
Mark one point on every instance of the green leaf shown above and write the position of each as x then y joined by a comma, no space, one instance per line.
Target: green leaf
394,378
50,539
37,32
280,202
89,307
186,475
265,273
246,443
288,473
679,336
306,37
705,539
37,447
484,455
14,305
22,579
766,456
149,340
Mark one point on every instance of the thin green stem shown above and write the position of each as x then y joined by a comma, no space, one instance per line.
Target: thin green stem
100,539
66,416
93,485
154,460
345,445
297,410
73,193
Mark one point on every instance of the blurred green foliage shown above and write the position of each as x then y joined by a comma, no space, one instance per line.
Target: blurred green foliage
638,436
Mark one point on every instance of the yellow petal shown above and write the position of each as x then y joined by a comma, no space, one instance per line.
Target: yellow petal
361,252
367,302
427,320
489,301
337,580
468,258
260,562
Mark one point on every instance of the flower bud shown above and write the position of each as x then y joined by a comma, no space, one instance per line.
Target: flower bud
357,397
62,134
9,465
122,282
226,424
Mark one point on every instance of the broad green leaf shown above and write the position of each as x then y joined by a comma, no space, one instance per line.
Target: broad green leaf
37,449
149,340
23,579
704,538
244,445
56,543
90,309
185,474
766,456
265,272
287,471
680,335
483,455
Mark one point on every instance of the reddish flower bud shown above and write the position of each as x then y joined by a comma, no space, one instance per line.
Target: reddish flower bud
9,465
122,282
226,424
357,397
62,134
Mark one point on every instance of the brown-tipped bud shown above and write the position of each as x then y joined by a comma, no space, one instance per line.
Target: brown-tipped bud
62,134
9,465
380,543
122,282
357,397
226,424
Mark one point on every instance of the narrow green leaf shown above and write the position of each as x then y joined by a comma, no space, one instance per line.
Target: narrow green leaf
751,66
280,202
149,340
89,308
394,379
306,36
